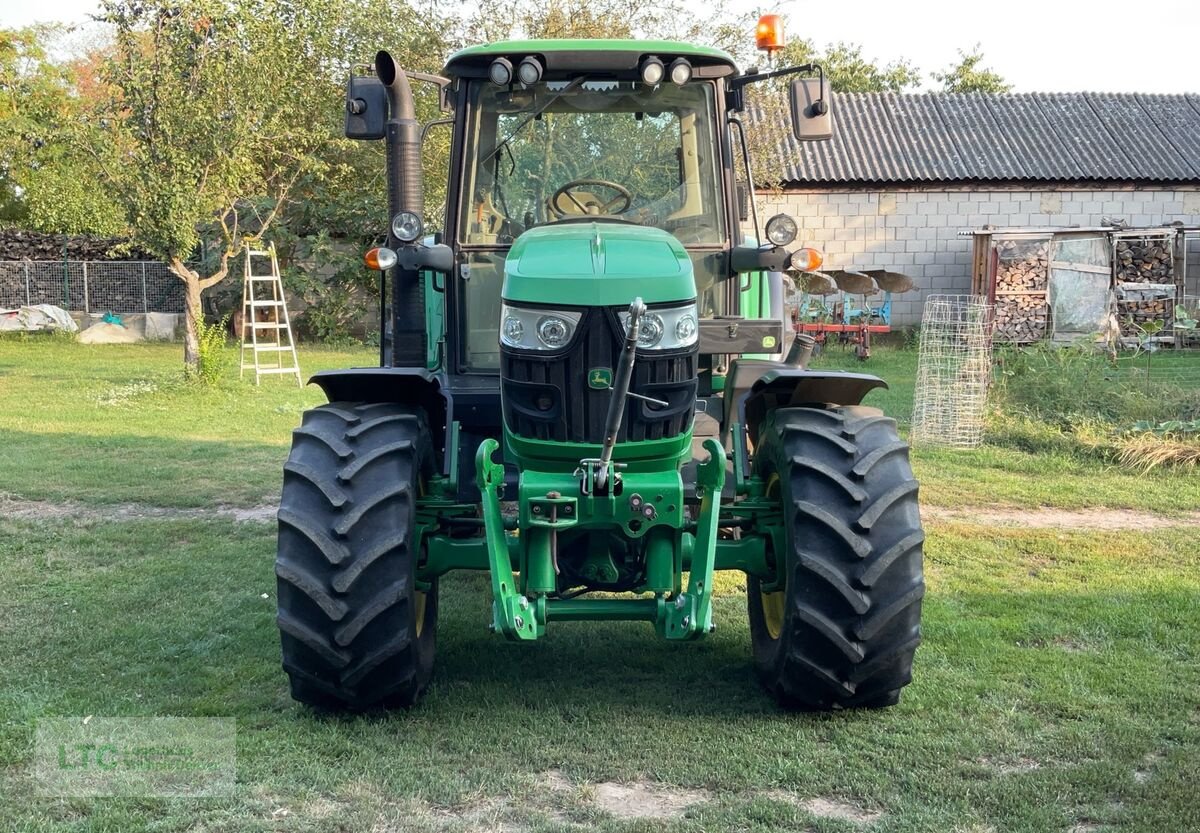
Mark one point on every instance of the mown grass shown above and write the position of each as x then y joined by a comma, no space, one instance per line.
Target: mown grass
1057,686
116,423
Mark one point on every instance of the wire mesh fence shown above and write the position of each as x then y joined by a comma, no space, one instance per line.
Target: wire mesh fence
954,368
122,287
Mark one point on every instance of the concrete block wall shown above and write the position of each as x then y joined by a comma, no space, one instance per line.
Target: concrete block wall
918,232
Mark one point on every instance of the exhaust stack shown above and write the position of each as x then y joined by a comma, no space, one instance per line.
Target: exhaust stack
405,193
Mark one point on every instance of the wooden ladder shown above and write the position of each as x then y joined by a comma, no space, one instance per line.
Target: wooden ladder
266,328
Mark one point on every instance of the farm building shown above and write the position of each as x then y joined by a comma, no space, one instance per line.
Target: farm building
905,176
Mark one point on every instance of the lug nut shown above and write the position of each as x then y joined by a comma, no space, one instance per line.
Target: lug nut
649,512
635,501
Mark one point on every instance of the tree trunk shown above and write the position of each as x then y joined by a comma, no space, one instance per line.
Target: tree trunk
193,313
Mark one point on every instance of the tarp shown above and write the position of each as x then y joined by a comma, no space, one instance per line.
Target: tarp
35,318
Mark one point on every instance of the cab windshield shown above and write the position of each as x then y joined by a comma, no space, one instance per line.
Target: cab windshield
560,150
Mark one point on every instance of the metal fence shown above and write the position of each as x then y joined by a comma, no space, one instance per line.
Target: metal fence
93,286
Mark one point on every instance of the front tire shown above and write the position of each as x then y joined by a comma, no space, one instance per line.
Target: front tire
356,631
840,626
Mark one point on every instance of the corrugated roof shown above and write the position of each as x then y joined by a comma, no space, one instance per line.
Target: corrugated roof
977,137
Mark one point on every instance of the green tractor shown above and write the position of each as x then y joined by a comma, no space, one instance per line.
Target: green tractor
585,389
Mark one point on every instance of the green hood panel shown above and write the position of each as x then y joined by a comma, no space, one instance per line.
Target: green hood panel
597,264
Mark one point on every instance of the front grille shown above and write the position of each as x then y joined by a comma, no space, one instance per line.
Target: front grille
547,397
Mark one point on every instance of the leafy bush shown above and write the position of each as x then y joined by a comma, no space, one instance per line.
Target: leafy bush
1066,384
1078,401
215,357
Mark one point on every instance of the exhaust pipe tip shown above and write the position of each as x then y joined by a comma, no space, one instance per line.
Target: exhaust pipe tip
386,68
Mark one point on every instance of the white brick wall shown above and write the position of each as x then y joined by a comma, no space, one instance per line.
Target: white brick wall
917,232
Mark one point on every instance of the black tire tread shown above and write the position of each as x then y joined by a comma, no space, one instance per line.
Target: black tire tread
346,562
854,570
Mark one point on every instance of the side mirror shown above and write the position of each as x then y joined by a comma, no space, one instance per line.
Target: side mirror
366,107
812,118
437,258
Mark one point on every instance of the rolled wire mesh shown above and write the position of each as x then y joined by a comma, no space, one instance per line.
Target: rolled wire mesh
954,367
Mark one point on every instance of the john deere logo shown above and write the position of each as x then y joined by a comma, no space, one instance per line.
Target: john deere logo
600,378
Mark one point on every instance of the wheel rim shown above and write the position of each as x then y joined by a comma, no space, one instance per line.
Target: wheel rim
773,603
419,599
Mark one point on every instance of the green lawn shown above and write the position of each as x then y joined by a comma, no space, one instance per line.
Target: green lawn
1058,688
115,424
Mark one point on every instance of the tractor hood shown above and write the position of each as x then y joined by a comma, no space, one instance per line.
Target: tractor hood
597,264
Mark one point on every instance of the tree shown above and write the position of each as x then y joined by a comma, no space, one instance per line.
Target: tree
967,76
849,71
339,208
209,120
48,182
495,20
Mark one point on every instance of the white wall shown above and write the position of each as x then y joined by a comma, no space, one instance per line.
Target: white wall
917,232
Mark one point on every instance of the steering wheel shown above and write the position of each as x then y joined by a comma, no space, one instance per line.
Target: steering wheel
622,195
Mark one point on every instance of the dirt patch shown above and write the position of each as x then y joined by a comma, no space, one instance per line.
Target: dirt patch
1145,772
644,800
1049,518
38,510
16,508
639,799
1013,767
827,808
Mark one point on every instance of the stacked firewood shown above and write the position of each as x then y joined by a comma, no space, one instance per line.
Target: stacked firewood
16,244
1021,265
1020,319
1136,308
1143,260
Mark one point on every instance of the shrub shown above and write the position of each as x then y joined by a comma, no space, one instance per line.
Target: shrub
215,357
1078,401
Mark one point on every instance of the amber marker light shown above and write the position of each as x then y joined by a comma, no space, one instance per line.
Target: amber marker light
806,260
380,258
768,34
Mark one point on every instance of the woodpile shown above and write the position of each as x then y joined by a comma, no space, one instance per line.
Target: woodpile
16,244
1143,260
1022,265
1020,319
1138,308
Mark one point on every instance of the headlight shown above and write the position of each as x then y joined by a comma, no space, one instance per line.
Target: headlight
665,329
537,329
406,226
781,229
554,331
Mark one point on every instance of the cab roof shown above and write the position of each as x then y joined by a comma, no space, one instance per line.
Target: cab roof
566,56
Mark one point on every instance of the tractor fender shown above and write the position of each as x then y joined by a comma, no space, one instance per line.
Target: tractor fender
782,387
413,386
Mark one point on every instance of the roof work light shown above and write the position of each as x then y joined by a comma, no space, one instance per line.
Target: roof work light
680,71
652,71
